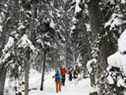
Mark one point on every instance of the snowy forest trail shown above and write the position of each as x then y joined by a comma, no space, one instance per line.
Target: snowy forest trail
71,88
81,87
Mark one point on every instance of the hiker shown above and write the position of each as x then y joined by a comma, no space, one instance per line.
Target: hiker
18,92
76,72
70,73
58,81
63,72
76,75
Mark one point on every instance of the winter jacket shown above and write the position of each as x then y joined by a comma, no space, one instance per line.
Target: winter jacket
63,71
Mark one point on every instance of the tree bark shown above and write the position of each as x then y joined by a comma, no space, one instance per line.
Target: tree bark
27,68
98,31
95,17
43,71
2,79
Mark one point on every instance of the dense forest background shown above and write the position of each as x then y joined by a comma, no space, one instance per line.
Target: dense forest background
44,34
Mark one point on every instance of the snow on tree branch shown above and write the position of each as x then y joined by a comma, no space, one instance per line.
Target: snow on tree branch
77,8
25,42
122,42
4,57
9,44
123,1
114,21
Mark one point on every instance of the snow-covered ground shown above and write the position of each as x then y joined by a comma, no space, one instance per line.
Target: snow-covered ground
81,87
71,88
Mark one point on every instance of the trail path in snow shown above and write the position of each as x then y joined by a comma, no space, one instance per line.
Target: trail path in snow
82,87
71,88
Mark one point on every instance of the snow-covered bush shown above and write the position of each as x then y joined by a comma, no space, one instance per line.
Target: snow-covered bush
115,21
117,60
92,61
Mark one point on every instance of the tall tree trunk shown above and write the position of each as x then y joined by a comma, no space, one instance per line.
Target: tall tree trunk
3,70
95,17
98,31
43,71
27,68
96,27
2,79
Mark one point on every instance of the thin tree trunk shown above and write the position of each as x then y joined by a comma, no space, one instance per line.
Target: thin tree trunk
27,68
2,79
43,71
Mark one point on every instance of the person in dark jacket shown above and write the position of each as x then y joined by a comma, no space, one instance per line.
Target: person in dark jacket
70,73
63,72
76,72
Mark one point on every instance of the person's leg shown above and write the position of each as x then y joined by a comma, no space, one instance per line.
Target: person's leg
59,86
75,83
63,81
70,79
56,86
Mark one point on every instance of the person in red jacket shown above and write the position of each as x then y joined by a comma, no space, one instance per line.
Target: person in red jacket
63,72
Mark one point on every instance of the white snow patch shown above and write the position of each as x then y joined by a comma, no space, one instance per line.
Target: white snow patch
25,42
122,42
117,60
110,79
113,60
123,1
1,28
21,27
77,8
9,44
4,57
121,82
73,27
92,61
115,20
0,19
88,27
52,24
